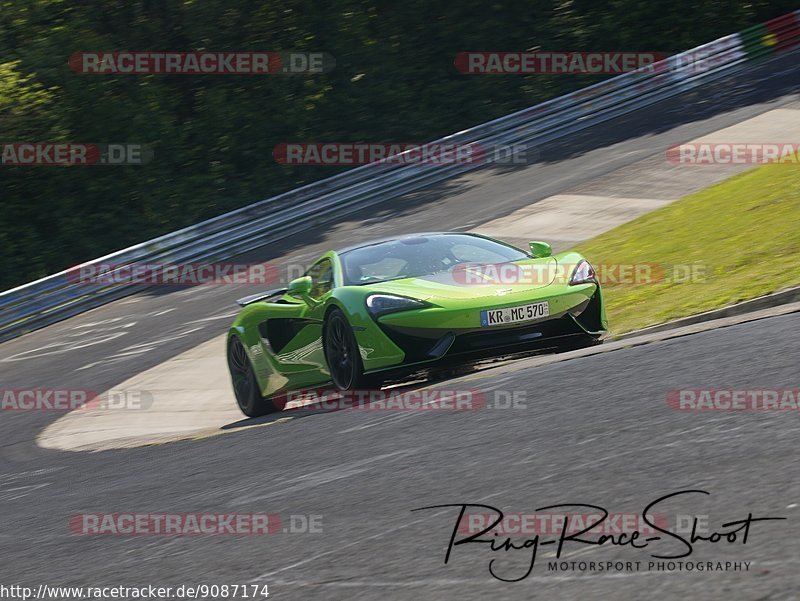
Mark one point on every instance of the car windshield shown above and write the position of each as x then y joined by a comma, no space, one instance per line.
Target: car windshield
420,256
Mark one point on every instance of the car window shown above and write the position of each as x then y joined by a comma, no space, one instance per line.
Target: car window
474,253
388,267
421,255
321,274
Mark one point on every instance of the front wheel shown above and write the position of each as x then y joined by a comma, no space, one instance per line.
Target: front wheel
245,386
343,355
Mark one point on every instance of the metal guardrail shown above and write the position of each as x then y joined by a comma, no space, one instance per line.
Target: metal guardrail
61,295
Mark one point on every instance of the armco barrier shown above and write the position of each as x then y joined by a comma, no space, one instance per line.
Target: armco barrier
59,296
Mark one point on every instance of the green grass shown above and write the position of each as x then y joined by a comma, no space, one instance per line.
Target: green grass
746,229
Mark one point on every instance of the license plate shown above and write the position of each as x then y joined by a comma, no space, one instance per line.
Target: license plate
509,315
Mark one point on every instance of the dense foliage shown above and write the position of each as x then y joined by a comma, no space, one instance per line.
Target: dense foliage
213,135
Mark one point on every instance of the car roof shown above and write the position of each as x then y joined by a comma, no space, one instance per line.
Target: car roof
402,237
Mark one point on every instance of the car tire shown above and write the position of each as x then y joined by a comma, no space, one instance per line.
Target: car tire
343,356
245,385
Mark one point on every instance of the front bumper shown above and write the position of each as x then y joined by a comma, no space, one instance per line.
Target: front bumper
456,337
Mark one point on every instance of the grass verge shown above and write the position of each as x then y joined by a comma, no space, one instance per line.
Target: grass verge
740,238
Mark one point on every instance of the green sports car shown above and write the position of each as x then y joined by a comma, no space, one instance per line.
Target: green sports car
384,309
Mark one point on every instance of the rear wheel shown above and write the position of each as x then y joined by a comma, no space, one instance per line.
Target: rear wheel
343,355
245,385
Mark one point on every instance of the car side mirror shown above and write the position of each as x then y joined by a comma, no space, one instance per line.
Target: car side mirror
300,288
540,249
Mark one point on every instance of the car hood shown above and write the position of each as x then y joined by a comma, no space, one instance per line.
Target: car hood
472,282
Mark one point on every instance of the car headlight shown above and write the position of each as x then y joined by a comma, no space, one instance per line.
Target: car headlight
583,274
380,304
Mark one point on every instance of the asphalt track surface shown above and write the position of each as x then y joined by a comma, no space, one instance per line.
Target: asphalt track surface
596,430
